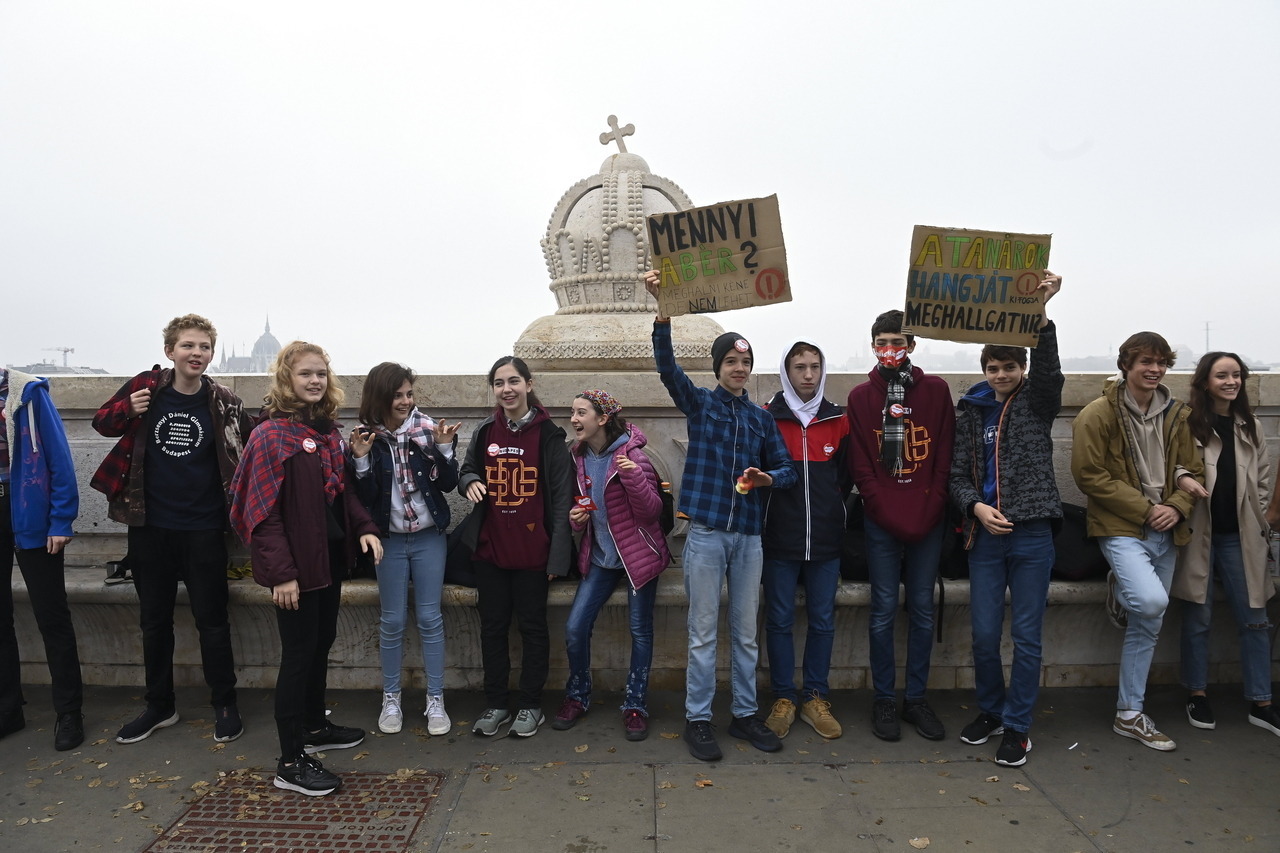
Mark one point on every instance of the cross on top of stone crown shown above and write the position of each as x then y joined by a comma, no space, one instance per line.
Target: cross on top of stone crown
616,134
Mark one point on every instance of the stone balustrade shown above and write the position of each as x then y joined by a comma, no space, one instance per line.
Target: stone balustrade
1080,646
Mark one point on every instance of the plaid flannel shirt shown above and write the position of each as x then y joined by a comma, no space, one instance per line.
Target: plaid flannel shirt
121,476
727,435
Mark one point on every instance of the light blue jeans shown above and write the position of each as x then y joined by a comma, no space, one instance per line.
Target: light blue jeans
1144,571
712,557
417,557
1227,563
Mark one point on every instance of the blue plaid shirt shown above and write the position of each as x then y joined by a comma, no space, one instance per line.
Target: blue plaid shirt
727,435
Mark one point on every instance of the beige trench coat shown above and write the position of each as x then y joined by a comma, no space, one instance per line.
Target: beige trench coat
1253,493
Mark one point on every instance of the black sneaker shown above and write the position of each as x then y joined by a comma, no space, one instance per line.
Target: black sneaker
1199,714
884,720
146,723
68,732
753,730
701,740
1013,749
982,728
118,572
332,737
306,776
226,724
918,713
1265,717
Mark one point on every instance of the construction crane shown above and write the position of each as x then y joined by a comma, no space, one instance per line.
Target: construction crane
64,350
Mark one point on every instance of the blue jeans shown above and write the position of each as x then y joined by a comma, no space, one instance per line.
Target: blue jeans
915,564
712,557
593,592
821,578
1144,571
1020,561
418,557
1227,562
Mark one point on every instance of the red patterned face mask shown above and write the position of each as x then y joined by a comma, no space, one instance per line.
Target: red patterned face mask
891,357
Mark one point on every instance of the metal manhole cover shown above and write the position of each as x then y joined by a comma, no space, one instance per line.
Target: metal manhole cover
244,811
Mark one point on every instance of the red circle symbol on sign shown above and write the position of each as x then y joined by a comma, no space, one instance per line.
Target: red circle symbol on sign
1027,283
770,283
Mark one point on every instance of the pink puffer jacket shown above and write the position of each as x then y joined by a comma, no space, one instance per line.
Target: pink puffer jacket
633,506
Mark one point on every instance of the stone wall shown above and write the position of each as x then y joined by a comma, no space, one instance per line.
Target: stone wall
1080,646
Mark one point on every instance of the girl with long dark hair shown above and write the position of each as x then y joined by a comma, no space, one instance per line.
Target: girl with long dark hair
1228,539
518,473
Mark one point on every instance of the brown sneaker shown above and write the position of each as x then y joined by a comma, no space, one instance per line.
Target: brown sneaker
781,717
1141,729
817,713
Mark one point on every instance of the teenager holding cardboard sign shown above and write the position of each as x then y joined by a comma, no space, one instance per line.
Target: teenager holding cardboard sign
1002,481
734,449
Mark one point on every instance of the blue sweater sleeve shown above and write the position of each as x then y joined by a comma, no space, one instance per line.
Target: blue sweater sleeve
64,495
681,388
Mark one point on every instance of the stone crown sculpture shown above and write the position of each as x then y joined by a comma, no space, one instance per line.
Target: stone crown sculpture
597,252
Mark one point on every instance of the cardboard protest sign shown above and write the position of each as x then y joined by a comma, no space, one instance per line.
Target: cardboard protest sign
976,286
720,257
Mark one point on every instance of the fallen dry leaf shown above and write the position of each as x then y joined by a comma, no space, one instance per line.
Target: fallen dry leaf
581,748
360,755
1184,781
1018,786
670,735
797,826
668,785
584,797
703,783
993,778
919,843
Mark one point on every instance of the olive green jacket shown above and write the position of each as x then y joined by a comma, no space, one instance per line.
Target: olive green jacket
1104,467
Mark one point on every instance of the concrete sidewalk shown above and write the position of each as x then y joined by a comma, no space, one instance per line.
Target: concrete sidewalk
1082,789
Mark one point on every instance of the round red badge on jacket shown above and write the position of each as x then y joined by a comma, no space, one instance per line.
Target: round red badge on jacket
897,410
494,448
309,445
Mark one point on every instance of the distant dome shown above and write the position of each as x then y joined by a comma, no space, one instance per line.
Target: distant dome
267,346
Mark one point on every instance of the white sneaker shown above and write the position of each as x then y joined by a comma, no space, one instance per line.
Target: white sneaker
390,720
438,722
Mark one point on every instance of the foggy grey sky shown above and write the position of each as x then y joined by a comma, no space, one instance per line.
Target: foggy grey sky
377,176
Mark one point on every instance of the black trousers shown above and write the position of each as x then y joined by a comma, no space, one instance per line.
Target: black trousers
159,558
306,635
503,593
46,585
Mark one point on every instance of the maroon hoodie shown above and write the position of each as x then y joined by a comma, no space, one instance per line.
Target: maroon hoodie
911,504
514,534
